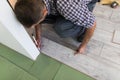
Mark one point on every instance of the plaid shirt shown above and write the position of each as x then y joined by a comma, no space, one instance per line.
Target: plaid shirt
74,10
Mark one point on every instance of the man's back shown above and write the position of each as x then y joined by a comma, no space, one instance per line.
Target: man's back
74,10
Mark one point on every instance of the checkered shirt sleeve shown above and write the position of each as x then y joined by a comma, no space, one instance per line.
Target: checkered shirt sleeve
76,11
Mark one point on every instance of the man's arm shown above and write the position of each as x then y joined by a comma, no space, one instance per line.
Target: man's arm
38,35
88,35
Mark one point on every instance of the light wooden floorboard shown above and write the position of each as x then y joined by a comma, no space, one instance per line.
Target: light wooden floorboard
111,53
115,17
103,11
102,36
105,24
116,37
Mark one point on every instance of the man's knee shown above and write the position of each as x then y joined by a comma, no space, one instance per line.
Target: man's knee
63,25
63,28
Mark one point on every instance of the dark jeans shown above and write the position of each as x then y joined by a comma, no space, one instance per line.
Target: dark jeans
65,28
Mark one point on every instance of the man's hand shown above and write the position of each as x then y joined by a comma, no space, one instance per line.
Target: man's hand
88,35
80,50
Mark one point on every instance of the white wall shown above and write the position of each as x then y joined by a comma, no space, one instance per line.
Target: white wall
13,34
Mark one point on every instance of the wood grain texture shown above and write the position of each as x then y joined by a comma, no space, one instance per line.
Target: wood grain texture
111,53
116,37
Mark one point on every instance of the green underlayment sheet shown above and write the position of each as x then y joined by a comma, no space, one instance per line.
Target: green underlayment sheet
14,66
67,73
9,71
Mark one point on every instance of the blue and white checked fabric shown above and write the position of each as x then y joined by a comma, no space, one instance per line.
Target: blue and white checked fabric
74,10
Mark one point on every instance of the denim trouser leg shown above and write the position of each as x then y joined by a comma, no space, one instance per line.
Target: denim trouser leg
66,28
91,5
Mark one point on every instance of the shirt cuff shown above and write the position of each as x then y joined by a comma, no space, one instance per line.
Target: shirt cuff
90,22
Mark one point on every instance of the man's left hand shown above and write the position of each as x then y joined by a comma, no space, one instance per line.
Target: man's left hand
81,50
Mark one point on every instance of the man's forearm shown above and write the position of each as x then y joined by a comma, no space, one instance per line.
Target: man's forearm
38,30
38,35
88,35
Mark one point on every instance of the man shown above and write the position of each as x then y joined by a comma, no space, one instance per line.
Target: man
73,17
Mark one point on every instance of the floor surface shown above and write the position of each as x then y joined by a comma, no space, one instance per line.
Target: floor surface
14,66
